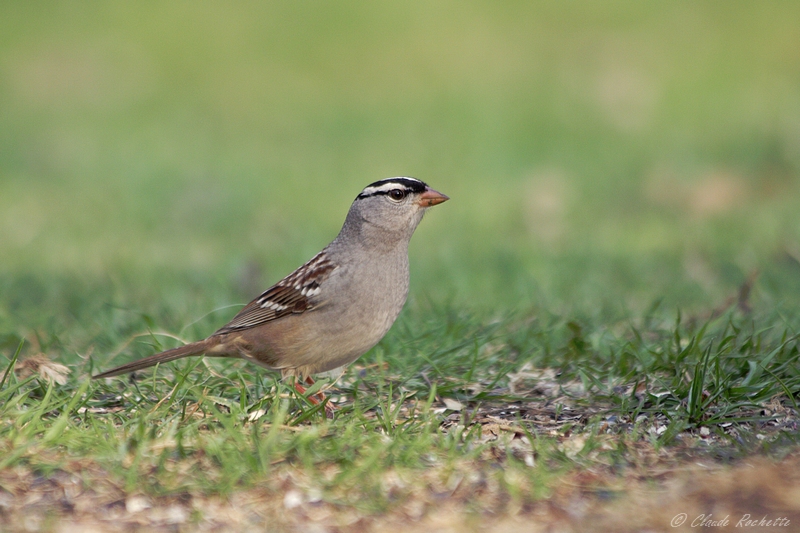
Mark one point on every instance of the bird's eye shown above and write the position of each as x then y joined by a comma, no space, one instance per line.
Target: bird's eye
397,194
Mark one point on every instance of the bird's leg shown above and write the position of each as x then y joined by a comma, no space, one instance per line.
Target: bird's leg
315,399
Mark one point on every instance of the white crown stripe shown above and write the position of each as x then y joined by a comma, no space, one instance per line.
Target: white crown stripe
381,188
384,186
397,179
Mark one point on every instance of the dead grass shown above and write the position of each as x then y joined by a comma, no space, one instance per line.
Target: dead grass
644,492
82,498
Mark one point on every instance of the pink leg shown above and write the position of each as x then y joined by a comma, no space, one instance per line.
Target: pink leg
317,398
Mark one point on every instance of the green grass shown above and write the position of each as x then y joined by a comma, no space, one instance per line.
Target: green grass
618,173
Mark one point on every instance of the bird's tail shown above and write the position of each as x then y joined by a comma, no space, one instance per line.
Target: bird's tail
194,348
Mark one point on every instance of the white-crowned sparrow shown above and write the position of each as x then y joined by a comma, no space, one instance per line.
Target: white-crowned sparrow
330,311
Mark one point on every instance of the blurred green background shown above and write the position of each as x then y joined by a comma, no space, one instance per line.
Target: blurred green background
170,158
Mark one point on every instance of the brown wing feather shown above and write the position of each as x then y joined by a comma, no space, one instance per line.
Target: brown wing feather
291,295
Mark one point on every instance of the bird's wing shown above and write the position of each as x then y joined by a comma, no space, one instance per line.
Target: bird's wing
293,294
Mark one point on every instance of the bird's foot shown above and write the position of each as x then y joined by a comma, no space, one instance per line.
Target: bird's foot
316,398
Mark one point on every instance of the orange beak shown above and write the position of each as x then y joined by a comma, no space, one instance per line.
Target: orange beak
431,197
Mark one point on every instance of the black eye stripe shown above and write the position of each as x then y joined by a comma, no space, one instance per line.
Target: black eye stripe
406,192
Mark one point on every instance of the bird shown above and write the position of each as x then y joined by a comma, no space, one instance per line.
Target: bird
335,307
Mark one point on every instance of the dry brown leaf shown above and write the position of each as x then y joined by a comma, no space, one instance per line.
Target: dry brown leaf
43,366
